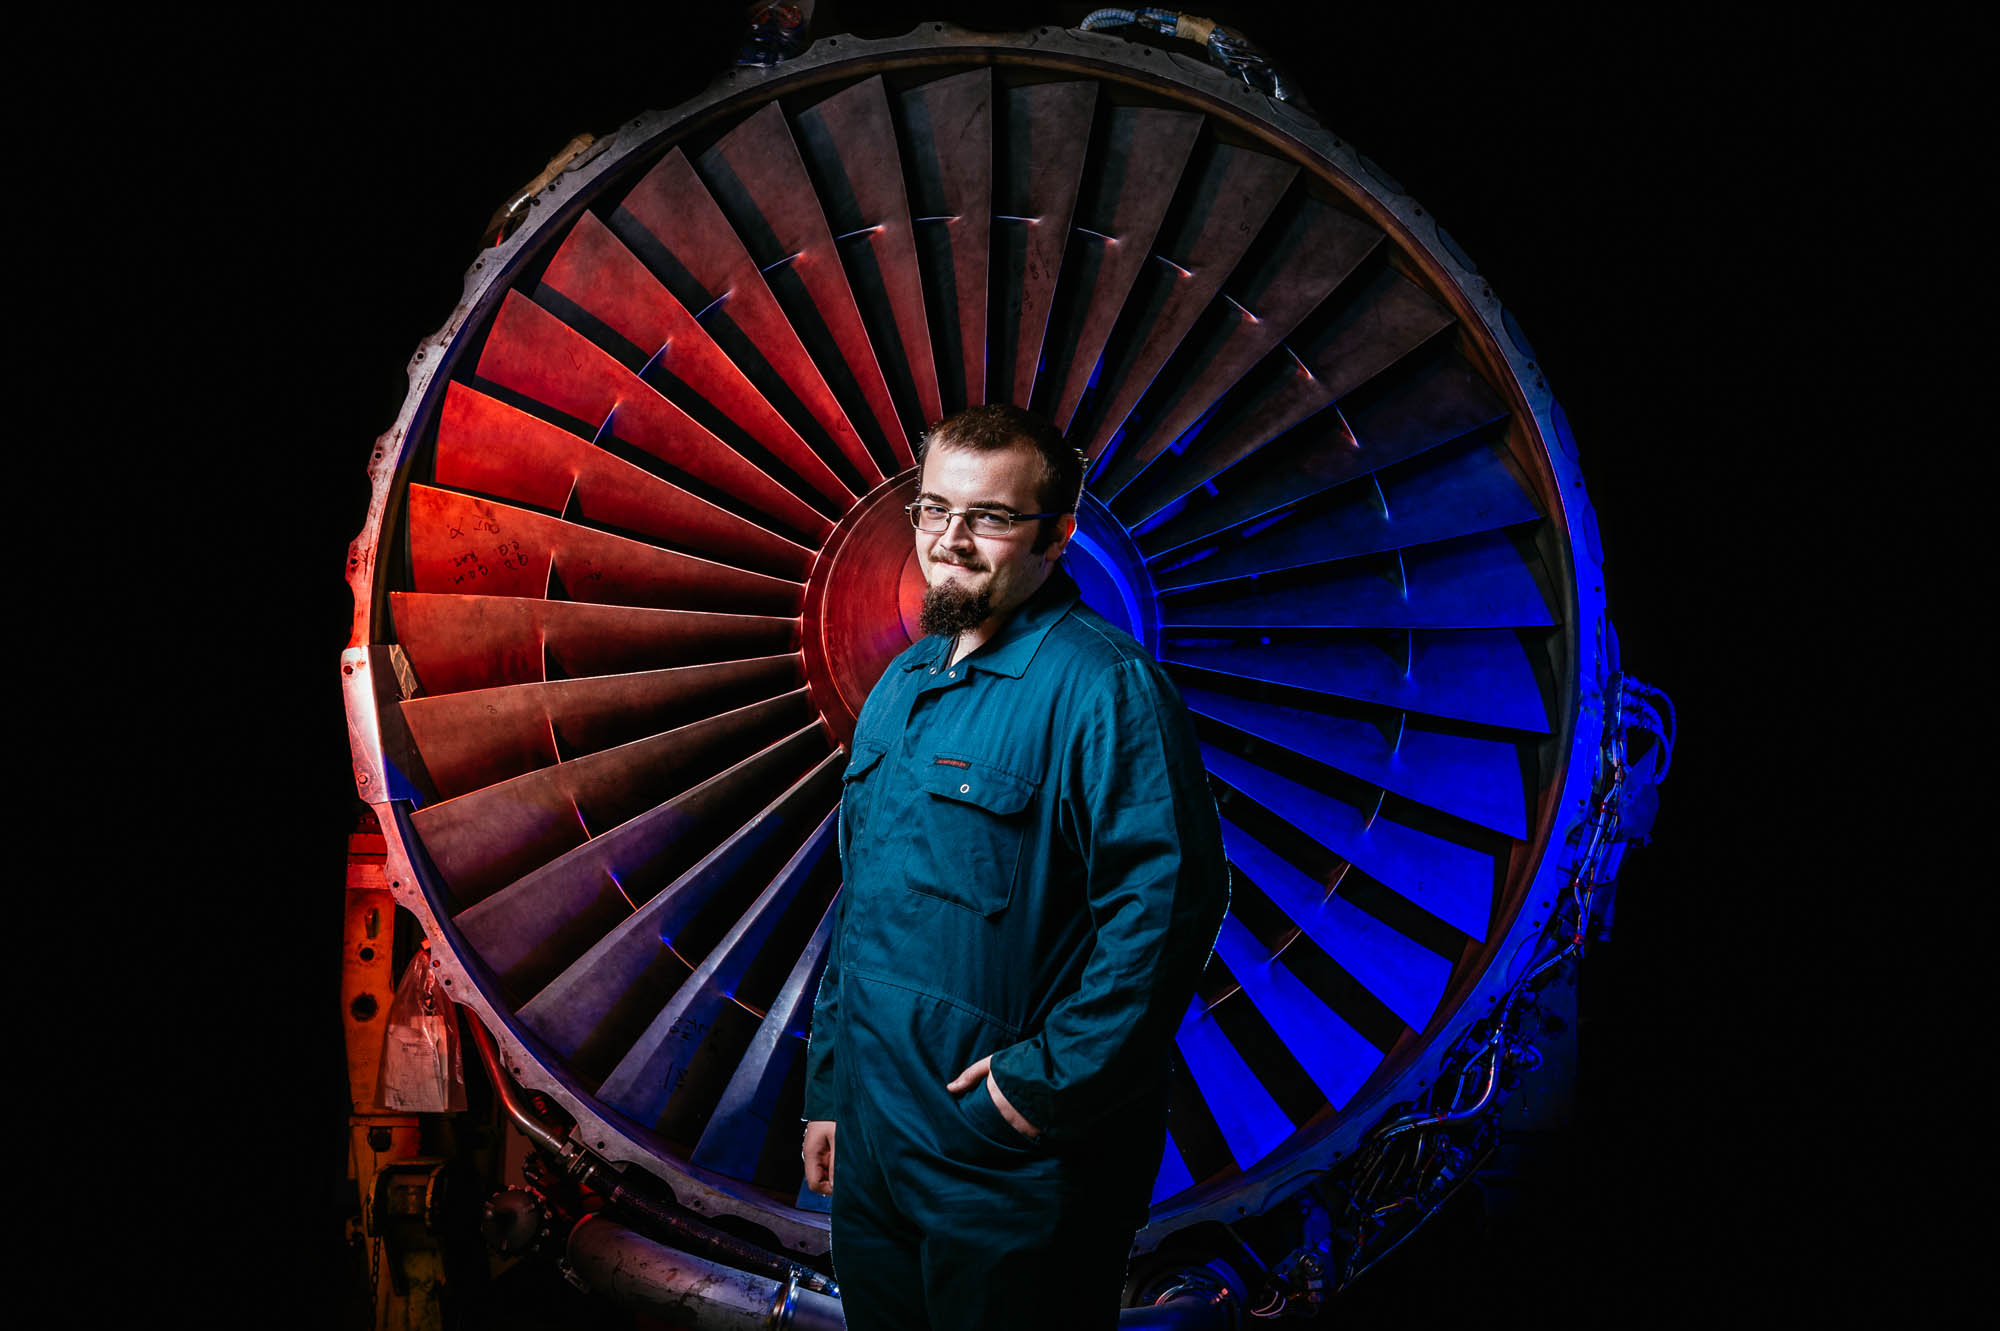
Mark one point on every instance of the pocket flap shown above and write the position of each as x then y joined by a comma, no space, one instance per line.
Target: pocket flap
973,781
858,766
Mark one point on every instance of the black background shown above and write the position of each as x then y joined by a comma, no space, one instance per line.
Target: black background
1696,218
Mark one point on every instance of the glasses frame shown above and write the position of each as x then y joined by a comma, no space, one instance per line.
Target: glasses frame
1014,520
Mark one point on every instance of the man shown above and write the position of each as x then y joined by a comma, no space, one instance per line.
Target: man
1033,878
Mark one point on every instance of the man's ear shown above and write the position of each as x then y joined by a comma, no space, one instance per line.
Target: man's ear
1065,528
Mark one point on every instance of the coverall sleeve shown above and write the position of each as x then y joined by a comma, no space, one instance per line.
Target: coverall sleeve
819,1099
1137,802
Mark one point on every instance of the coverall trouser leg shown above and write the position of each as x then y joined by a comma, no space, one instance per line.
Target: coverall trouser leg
922,1244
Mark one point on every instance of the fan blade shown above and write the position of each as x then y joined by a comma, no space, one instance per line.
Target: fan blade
740,1127
1307,251
1442,401
1334,1054
1129,179
487,446
1407,977
1173,1176
594,1012
646,1079
1249,1119
535,928
535,354
462,544
848,143
947,129
485,840
1043,134
455,643
1437,500
1473,675
603,279
1477,582
1348,343
1474,779
671,221
758,178
1448,880
1224,199
475,739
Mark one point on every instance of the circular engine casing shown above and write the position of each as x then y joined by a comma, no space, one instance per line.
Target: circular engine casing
1287,203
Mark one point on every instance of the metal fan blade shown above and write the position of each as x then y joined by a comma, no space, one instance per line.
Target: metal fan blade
489,447
1477,582
475,739
1306,252
1405,976
482,841
1225,197
1472,491
1043,132
459,543
1475,779
1449,880
457,642
538,926
1173,1177
1249,1119
596,273
1135,162
739,1129
1348,343
670,220
535,354
1335,1055
849,145
947,127
654,1070
594,1012
1442,401
1474,675
759,180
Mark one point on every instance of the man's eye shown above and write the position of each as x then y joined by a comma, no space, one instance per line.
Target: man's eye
935,510
986,517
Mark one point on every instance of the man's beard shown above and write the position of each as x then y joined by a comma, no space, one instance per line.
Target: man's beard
951,609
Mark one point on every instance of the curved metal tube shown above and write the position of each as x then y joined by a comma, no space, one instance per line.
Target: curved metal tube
578,1163
630,1269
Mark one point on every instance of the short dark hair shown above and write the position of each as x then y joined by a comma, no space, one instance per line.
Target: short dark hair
992,426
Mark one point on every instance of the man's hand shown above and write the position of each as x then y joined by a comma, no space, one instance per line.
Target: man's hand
818,1155
971,1077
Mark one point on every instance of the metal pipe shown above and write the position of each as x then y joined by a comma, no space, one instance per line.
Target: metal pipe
579,1164
537,1132
634,1271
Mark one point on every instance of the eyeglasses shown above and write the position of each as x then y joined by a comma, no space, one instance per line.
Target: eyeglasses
978,521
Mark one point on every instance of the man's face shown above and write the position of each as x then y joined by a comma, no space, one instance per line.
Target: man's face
959,567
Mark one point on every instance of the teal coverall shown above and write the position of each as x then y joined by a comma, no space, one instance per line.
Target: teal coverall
1032,870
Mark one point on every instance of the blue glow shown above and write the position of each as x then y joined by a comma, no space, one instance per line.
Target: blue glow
1106,573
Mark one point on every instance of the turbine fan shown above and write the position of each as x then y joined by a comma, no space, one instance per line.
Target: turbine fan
636,556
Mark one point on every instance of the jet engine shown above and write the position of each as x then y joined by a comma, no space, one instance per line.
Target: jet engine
635,554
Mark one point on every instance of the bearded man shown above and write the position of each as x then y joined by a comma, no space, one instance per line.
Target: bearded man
1033,877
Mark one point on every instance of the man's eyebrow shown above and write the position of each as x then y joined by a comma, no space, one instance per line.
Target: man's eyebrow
931,497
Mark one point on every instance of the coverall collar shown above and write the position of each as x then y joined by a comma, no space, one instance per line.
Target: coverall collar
1013,647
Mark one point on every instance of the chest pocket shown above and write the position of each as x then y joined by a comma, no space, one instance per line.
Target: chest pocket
973,821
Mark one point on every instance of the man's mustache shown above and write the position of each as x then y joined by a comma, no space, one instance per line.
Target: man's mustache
968,565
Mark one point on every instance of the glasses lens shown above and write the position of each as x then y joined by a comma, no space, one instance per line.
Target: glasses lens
989,523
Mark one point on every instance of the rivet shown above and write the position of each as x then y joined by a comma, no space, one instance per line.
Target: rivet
965,790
